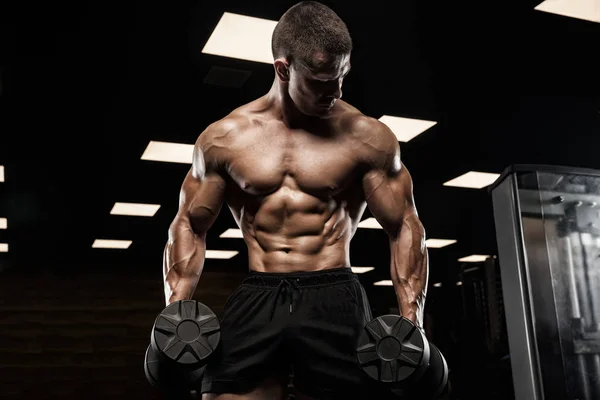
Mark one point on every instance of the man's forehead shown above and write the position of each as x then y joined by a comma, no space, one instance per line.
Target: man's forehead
325,66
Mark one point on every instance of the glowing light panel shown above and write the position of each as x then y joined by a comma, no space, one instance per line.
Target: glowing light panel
220,254
169,152
473,180
136,209
474,258
242,37
111,244
369,223
406,129
439,243
588,10
361,270
232,233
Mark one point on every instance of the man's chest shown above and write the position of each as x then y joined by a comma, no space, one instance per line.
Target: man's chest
261,164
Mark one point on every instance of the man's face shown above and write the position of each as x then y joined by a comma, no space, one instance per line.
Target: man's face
315,89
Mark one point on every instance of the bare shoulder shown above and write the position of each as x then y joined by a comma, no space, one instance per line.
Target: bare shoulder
377,146
211,147
218,133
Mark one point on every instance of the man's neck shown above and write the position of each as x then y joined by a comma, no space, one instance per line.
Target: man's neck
286,110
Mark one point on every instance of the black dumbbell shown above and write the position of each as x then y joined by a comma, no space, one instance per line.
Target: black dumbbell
394,351
184,336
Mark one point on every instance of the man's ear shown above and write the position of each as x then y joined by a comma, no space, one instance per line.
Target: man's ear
282,69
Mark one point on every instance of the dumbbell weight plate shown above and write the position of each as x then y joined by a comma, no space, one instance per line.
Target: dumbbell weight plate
152,366
432,383
173,380
186,332
391,349
436,376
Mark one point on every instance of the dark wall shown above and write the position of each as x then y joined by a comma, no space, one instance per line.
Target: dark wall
84,334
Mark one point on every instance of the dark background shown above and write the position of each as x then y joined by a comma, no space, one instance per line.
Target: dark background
86,85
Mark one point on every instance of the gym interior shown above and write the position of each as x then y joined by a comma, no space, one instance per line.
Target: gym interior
496,107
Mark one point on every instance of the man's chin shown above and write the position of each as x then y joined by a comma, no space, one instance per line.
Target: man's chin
315,111
321,111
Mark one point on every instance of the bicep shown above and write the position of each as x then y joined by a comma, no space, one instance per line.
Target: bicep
389,196
202,193
201,200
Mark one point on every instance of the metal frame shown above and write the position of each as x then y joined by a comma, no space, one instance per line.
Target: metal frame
516,291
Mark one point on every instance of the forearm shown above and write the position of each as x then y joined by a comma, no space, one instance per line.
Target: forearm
183,261
409,269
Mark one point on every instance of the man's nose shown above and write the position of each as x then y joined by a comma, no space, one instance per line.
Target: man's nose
337,90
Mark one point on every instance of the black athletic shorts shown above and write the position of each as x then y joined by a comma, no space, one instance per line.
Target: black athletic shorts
301,324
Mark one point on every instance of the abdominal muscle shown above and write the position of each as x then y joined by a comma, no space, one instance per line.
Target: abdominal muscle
292,231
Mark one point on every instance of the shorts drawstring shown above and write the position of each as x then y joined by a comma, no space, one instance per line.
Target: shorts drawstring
286,285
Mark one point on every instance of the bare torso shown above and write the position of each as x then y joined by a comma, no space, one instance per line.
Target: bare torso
296,195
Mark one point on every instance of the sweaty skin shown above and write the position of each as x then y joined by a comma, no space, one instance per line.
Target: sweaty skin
297,192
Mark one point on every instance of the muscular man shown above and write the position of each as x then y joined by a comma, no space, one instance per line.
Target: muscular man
297,167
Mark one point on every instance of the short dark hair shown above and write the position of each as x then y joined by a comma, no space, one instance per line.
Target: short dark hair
308,27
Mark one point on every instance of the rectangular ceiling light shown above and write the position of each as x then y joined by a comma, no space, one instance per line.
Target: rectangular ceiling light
406,129
588,10
111,244
169,152
473,180
3,247
232,233
3,223
474,258
370,223
137,209
439,243
459,283
438,284
361,270
220,254
383,283
242,37
1,173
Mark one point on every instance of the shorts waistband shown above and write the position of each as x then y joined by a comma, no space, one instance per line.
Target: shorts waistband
300,278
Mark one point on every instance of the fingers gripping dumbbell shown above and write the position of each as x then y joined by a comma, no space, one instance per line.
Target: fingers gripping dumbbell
184,336
394,351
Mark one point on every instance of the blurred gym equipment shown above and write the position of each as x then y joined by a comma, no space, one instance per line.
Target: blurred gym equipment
548,233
